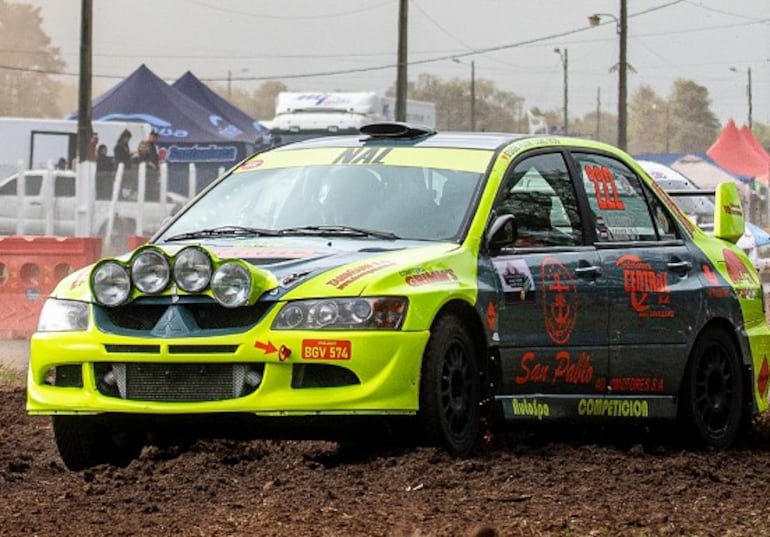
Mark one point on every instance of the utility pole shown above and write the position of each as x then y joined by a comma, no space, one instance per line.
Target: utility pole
598,111
623,67
401,76
84,91
473,95
564,64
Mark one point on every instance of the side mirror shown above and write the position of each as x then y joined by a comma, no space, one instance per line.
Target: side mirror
502,233
729,222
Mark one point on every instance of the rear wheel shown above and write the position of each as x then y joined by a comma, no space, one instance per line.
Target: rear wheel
450,412
712,397
83,443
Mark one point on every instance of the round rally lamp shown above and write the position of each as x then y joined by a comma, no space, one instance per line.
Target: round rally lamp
231,284
192,269
110,283
150,271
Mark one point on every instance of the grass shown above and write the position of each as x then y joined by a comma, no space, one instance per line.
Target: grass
11,377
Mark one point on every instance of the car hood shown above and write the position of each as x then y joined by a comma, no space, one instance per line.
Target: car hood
307,267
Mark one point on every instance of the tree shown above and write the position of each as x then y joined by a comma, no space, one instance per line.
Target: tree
495,110
693,126
648,122
27,60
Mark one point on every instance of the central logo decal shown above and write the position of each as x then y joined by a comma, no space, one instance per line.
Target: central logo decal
560,300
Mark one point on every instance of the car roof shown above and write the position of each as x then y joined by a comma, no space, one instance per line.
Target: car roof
447,139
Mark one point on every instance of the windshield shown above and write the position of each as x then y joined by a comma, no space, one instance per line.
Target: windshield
386,201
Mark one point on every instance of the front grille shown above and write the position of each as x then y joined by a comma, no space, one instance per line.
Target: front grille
177,382
200,314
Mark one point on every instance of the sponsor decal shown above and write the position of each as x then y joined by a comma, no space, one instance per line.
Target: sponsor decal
421,277
621,408
737,270
718,292
266,347
491,317
199,153
605,188
644,285
256,252
363,155
284,352
560,300
636,384
250,165
352,274
565,370
733,209
709,274
532,409
325,349
515,277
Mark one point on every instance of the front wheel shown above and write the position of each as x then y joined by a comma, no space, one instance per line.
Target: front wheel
450,412
83,443
712,397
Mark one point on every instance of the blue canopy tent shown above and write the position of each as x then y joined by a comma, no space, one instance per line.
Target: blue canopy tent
187,131
199,92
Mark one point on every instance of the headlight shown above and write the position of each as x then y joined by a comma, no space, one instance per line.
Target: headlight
150,271
231,284
63,316
374,313
110,283
192,269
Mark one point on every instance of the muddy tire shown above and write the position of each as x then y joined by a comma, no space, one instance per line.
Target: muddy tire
83,443
712,399
450,413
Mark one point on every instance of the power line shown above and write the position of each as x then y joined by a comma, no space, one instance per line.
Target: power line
440,58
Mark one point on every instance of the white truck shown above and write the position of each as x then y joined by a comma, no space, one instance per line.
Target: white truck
122,204
303,115
33,143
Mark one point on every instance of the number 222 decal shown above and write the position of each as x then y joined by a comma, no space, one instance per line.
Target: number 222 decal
606,190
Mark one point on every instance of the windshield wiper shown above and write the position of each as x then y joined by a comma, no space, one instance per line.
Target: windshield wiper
224,231
339,231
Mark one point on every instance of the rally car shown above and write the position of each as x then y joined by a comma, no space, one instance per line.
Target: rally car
436,280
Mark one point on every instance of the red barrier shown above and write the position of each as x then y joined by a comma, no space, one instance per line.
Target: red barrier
135,241
30,268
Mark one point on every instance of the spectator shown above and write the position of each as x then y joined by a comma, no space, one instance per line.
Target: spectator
104,162
144,154
152,149
122,151
92,146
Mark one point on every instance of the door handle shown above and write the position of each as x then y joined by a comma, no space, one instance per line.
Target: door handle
680,267
589,271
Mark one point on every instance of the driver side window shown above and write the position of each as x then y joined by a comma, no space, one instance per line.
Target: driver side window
539,194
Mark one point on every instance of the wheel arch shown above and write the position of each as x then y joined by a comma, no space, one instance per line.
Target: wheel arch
488,360
741,346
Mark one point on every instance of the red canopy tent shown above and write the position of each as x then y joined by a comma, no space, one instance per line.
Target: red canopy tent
736,154
752,141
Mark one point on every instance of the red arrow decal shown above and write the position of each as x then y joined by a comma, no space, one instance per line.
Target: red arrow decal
267,347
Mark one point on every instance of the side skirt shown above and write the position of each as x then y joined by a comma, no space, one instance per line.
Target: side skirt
575,408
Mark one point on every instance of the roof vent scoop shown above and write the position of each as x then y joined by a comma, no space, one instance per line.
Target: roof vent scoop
395,129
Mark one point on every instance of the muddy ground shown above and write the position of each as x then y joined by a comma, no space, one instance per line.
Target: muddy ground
536,482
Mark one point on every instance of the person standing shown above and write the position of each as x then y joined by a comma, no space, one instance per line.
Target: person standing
104,162
152,149
122,151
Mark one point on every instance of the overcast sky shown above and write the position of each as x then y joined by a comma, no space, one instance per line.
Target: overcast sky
302,42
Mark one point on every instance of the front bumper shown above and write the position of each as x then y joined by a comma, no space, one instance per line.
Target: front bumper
385,366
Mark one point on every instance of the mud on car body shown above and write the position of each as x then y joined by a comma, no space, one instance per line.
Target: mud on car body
433,278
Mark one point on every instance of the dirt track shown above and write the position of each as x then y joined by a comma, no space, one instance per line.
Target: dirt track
528,483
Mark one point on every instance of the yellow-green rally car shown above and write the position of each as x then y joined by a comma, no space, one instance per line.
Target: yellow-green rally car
406,276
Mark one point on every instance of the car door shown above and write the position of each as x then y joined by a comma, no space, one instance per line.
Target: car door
552,319
655,298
